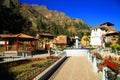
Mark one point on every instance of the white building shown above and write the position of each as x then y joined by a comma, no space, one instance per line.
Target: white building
97,37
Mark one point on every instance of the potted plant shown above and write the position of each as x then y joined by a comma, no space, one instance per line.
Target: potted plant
47,45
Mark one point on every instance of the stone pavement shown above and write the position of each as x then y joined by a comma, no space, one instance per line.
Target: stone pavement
76,68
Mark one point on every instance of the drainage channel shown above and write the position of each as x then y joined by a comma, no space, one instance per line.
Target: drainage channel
57,70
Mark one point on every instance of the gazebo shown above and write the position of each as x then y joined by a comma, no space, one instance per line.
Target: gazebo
18,45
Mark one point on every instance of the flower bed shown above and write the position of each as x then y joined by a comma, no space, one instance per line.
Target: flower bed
30,67
100,66
102,57
110,63
98,56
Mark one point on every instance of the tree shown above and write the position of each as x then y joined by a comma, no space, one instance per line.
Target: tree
115,47
118,41
88,33
46,40
87,40
40,25
54,29
12,21
80,34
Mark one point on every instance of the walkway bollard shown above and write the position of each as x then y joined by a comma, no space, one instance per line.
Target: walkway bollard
88,55
95,68
104,73
91,58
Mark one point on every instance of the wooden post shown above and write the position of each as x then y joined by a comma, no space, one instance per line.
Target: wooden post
16,44
31,47
5,45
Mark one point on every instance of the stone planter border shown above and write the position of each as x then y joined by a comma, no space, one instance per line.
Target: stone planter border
50,70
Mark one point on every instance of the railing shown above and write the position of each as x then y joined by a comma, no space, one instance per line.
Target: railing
48,72
74,52
101,64
110,71
60,54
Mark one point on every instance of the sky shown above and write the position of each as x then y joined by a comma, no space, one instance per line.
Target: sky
92,12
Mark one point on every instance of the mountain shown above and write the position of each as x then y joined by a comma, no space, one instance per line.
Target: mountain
37,18
11,20
53,21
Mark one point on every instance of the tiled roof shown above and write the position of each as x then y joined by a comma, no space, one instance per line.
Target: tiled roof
22,36
105,27
19,36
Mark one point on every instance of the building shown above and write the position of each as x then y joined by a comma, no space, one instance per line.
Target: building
112,37
61,42
2,43
18,45
49,38
97,38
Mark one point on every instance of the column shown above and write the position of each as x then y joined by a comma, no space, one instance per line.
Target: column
76,41
16,44
95,65
5,45
31,46
104,73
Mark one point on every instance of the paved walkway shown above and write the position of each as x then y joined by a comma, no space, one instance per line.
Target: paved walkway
76,68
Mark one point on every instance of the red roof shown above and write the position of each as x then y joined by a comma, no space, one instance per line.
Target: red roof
20,36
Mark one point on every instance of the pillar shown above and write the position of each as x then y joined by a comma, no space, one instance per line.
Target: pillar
104,73
5,45
95,65
17,45
31,46
76,41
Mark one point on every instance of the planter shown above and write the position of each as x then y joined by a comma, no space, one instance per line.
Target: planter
26,69
50,70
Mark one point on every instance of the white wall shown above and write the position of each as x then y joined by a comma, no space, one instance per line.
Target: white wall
3,42
96,37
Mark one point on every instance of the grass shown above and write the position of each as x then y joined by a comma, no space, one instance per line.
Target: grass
28,70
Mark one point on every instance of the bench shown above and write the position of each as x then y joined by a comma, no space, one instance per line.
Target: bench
112,70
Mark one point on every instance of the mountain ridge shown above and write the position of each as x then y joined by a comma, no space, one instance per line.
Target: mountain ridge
37,18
